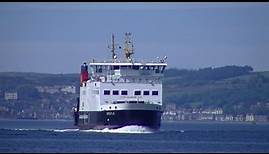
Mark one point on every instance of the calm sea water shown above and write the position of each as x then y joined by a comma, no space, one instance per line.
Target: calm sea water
62,136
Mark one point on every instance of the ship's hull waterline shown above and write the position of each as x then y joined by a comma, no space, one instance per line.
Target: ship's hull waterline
118,118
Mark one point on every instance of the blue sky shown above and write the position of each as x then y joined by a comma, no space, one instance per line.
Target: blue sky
58,37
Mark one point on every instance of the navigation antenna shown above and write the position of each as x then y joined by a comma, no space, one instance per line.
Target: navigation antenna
128,47
113,48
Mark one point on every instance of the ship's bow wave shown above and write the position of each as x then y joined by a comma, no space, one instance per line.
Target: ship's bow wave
66,130
126,129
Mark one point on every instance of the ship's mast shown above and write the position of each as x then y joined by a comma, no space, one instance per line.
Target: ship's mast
128,47
113,48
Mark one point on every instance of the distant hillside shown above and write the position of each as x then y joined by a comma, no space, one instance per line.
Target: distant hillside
32,103
9,80
234,88
237,89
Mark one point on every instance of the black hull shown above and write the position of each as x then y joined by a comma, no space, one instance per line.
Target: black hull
118,118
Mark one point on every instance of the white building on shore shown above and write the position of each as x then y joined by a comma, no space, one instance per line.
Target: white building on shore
11,96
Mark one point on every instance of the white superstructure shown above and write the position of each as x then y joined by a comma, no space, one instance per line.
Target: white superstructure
121,85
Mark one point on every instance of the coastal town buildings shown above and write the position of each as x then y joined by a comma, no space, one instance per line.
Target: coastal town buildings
172,113
11,96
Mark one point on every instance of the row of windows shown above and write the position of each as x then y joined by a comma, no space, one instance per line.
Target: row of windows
99,68
125,92
120,102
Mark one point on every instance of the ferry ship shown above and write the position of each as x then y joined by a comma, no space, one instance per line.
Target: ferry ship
118,93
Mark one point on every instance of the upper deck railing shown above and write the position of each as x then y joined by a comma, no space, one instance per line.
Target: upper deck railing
127,72
123,62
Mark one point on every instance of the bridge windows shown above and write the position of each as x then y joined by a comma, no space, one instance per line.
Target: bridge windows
157,69
115,92
155,92
124,92
106,92
98,69
115,67
162,69
135,67
137,92
145,92
132,102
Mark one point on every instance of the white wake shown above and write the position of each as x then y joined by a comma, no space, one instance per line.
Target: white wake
125,129
66,130
40,129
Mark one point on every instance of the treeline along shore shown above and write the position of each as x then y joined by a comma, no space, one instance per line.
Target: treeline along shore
222,93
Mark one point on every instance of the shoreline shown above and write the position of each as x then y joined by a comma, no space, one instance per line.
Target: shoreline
215,122
180,121
14,119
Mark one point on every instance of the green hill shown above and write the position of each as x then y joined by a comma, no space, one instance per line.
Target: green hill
235,92
237,89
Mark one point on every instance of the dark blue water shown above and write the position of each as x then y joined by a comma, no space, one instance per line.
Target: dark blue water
61,136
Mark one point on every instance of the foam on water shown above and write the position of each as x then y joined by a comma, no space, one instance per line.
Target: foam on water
39,129
66,130
125,129
23,129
